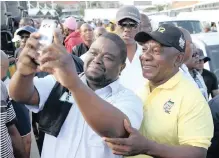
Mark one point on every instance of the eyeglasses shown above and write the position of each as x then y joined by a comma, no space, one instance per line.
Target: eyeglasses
128,24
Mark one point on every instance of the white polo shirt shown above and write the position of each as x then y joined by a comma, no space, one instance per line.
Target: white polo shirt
76,138
132,77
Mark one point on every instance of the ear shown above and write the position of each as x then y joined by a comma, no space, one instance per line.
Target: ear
179,60
122,68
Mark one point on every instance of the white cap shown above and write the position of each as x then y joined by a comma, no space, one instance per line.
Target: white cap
16,38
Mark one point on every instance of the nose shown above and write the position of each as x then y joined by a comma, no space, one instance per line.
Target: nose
127,29
146,56
98,59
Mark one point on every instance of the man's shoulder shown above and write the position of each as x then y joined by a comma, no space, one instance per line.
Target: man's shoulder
208,73
127,94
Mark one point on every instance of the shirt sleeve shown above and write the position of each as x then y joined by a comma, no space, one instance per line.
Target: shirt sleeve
195,124
132,107
10,113
44,87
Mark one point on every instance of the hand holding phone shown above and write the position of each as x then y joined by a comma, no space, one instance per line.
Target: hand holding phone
46,31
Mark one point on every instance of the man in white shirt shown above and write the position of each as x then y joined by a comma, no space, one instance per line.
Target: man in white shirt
188,55
128,21
99,104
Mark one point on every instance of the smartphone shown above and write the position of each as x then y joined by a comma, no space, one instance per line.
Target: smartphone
46,31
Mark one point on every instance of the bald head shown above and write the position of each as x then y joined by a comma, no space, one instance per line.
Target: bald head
26,21
4,64
99,31
189,45
145,23
186,34
87,33
85,26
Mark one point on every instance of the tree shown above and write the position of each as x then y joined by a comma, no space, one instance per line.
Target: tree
58,9
160,7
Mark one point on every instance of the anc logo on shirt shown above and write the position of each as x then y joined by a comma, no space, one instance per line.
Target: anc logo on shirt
167,106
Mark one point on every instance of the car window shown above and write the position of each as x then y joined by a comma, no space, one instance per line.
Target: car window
192,26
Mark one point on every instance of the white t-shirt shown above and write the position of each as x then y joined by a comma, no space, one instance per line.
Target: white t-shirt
132,77
76,138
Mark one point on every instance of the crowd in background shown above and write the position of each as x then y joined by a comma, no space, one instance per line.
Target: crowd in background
174,111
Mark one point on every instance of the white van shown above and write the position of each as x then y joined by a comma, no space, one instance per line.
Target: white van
205,16
194,26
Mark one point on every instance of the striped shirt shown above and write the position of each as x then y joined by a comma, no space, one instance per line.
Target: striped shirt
7,116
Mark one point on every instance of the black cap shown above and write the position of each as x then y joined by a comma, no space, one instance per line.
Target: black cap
167,35
202,56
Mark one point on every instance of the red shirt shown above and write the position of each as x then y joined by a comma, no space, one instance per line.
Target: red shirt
72,40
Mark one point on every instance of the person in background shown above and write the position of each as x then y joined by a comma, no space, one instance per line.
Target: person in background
105,23
192,65
213,27
177,120
128,21
11,143
209,77
87,36
37,23
207,28
72,36
145,23
112,26
26,22
213,151
24,33
190,48
98,32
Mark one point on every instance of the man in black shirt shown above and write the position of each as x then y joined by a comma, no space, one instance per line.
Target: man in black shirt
87,36
213,151
209,77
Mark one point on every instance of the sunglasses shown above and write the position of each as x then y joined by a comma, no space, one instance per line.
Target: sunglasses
128,24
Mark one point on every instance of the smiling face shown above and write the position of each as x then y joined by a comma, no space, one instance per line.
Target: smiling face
158,62
103,62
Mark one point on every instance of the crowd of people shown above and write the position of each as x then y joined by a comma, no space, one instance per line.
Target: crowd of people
109,89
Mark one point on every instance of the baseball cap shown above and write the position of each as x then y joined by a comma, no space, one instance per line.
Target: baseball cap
167,35
25,29
128,11
70,23
202,56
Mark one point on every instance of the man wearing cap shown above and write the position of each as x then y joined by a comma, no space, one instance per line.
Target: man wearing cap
24,34
177,120
73,37
23,119
128,22
209,77
192,66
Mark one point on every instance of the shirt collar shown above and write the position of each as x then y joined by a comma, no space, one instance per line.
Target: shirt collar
171,82
112,87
